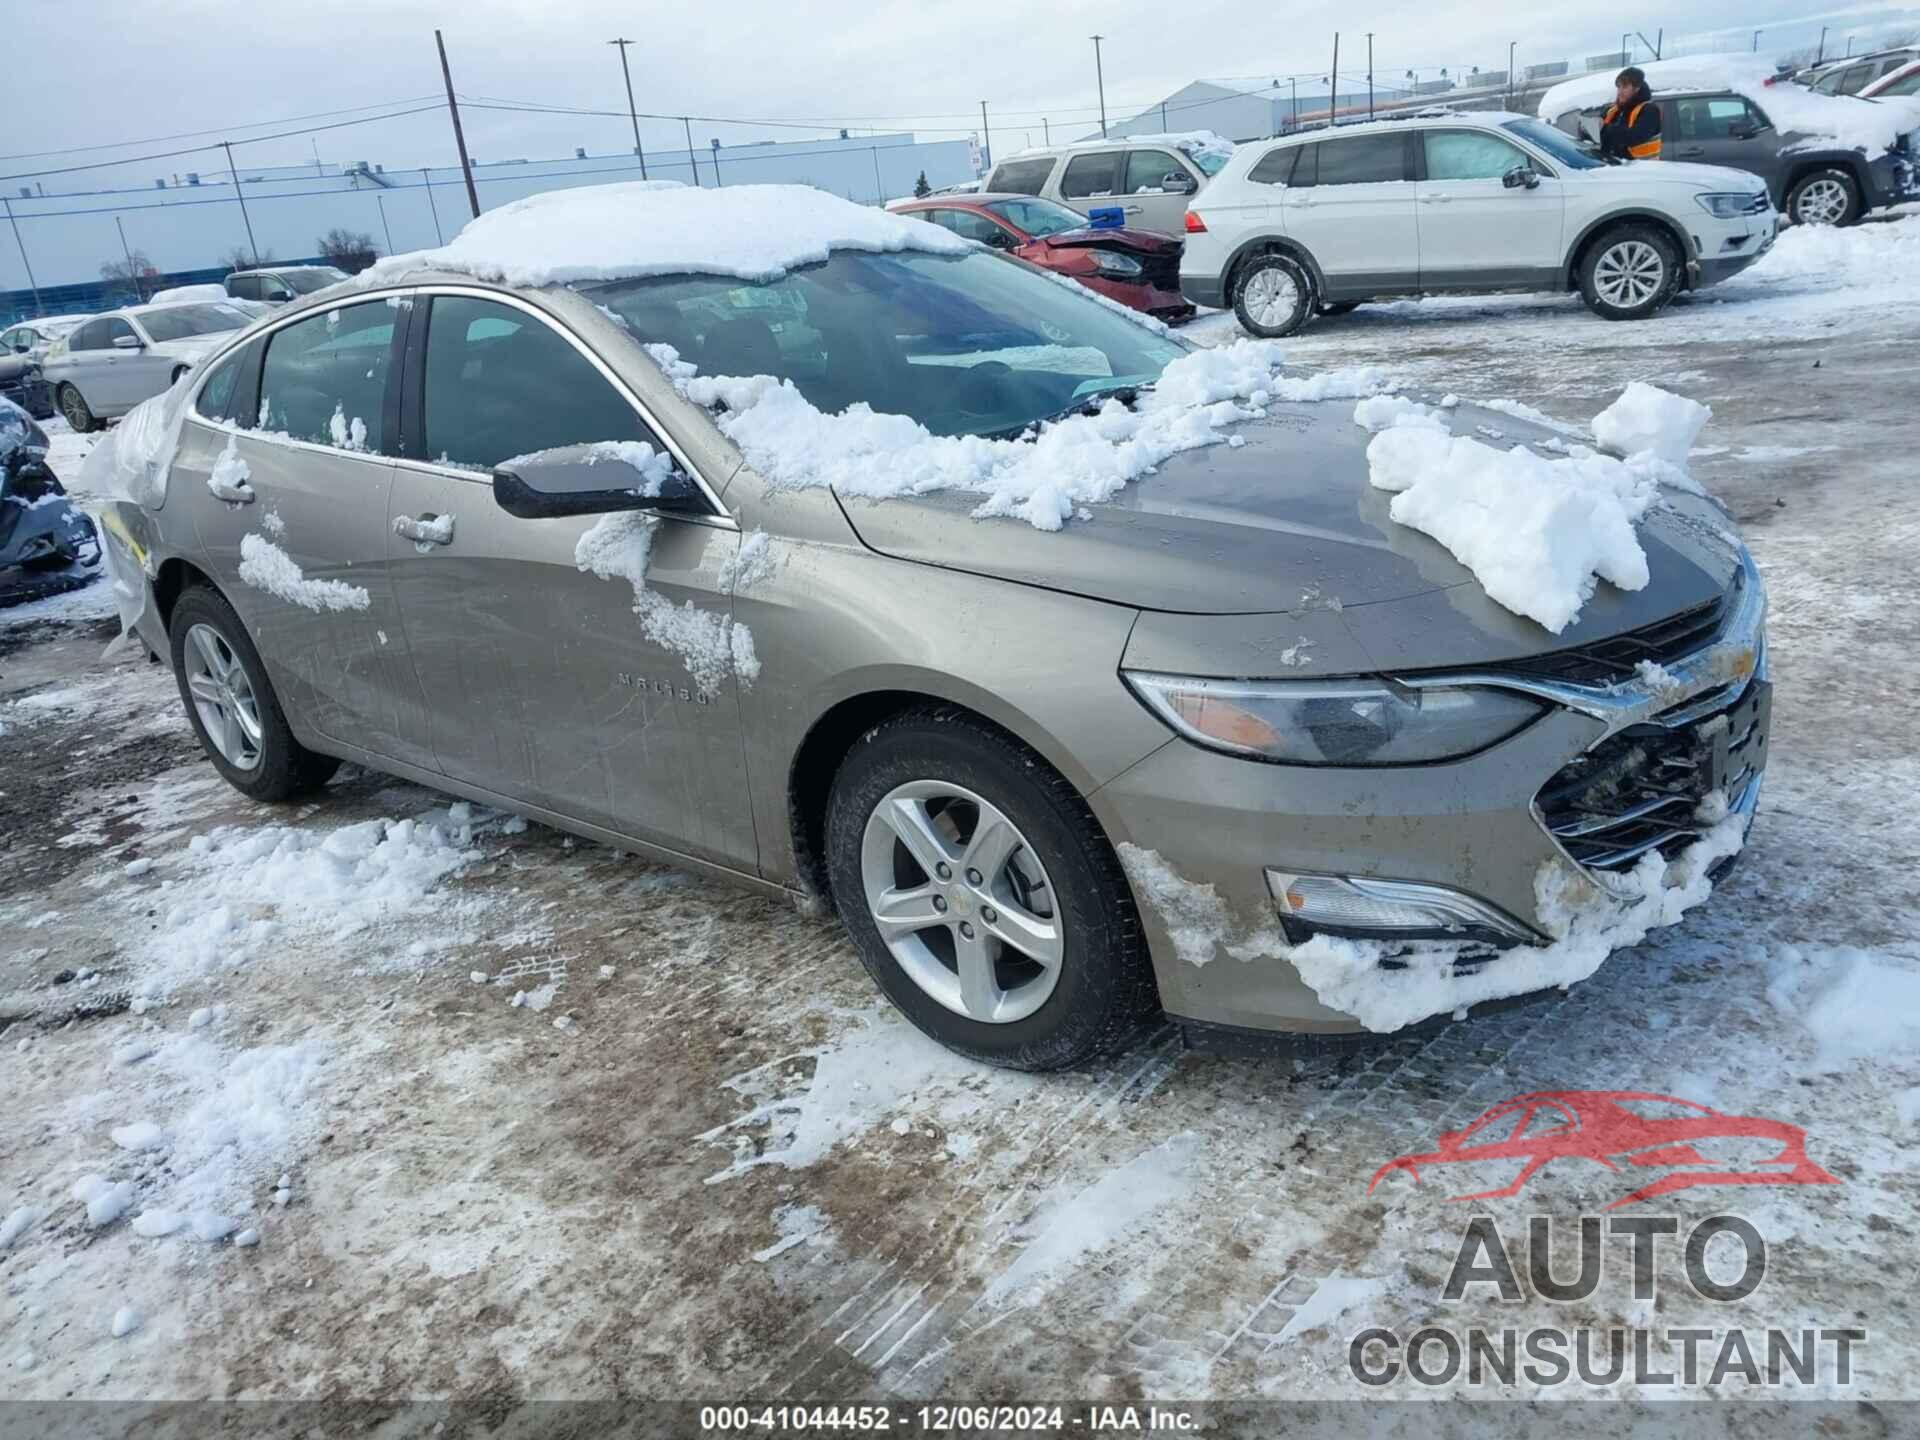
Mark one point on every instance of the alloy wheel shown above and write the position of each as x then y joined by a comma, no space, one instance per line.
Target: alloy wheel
962,901
1271,296
1629,274
74,407
1822,202
224,697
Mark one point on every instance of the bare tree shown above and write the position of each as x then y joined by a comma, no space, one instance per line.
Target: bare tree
241,258
352,250
135,270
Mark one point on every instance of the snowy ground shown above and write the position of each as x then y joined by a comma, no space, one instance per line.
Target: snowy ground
503,1115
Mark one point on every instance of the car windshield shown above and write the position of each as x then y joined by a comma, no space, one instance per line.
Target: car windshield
305,282
178,322
972,344
1039,217
1557,143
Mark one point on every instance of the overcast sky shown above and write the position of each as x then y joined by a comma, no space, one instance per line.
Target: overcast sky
111,72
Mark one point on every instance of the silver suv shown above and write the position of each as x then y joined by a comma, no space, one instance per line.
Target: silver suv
1044,777
279,284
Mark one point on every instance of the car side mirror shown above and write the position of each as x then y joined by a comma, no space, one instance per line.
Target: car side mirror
279,297
1742,130
1521,177
127,342
589,480
1178,182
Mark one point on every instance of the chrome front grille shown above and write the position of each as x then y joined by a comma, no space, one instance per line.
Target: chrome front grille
1643,787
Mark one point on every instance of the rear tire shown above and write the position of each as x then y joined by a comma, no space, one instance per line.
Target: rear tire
73,405
1273,296
1630,272
948,780
210,646
1828,196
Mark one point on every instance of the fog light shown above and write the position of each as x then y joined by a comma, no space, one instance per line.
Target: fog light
1360,908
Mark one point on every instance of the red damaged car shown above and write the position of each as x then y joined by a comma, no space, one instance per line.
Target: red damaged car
1138,268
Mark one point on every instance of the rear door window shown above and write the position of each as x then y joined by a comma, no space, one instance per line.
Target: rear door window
502,383
325,377
1363,160
90,336
244,287
216,396
1022,177
1088,176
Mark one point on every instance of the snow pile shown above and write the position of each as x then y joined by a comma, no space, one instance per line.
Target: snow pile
1196,919
1536,532
1647,420
229,474
711,645
1845,120
1855,1003
265,566
1588,925
654,227
1041,478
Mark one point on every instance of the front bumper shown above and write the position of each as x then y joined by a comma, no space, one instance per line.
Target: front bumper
1729,246
1474,826
1154,300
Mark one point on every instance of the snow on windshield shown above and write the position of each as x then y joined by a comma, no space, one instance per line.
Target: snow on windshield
657,227
1793,109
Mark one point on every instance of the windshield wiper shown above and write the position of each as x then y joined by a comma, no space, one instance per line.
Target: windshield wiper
1086,404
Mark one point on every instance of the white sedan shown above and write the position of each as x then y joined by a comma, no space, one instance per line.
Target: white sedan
110,364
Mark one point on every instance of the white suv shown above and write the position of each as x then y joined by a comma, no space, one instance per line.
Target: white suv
1444,202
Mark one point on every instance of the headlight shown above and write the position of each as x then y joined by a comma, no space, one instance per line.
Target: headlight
1107,262
1724,206
1335,722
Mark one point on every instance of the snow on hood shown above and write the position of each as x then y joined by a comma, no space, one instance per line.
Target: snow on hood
1852,123
659,227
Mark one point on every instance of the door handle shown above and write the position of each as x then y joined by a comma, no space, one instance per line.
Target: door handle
1435,199
1133,209
1692,150
424,530
239,492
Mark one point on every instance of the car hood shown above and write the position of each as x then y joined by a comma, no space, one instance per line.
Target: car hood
1145,241
1672,172
1289,523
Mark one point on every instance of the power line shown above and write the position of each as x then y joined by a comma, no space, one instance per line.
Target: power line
216,130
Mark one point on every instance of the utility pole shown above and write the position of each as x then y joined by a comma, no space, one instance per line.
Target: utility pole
1369,74
253,248
1333,81
1293,112
1823,46
1512,45
879,190
1100,79
715,143
1046,132
459,136
388,229
32,284
1756,42
1626,48
688,124
1163,118
632,114
426,179
986,136
133,275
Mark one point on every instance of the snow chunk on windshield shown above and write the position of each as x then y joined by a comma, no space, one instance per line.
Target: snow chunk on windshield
1042,477
1794,110
654,227
1649,420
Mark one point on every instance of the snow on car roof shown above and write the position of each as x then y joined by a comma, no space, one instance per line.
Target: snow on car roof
1192,141
1852,123
654,227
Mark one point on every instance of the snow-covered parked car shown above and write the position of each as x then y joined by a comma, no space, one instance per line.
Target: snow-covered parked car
1148,178
1091,675
46,544
1463,203
1826,159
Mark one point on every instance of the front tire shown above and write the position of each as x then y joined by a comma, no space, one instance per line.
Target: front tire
1630,272
983,896
231,705
1273,296
1828,196
73,405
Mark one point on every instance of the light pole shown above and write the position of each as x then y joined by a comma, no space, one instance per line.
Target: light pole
1626,48
1100,79
1821,54
253,249
32,284
1512,45
695,164
1756,42
388,229
459,135
986,138
632,114
439,237
1369,74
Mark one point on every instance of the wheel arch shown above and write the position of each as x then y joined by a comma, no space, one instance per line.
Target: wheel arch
816,759
1597,229
1850,161
1271,245
174,578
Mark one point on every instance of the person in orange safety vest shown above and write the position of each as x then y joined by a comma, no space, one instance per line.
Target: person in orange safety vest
1631,127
